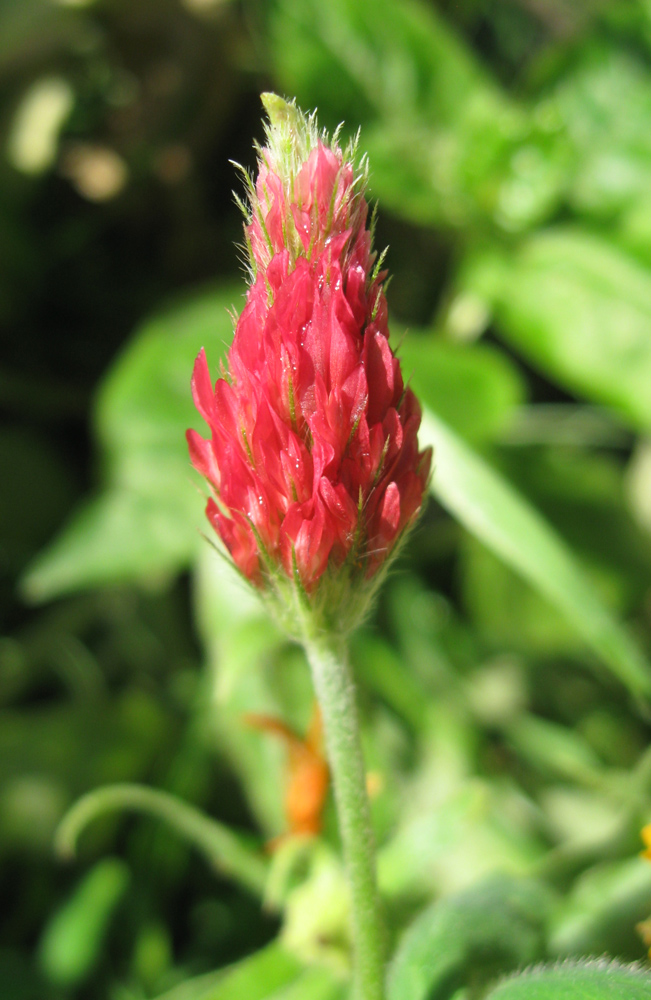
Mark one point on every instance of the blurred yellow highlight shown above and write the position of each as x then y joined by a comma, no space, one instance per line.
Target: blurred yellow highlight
34,137
646,839
97,172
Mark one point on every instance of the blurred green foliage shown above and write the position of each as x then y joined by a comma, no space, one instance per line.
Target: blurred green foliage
504,677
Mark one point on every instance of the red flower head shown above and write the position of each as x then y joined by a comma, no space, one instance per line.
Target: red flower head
313,461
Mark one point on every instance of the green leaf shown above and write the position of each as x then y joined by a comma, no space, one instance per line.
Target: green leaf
74,936
490,162
440,134
579,309
271,974
146,523
314,984
602,909
579,491
493,927
475,389
489,507
612,151
120,535
457,835
381,57
381,669
260,976
592,980
509,613
555,749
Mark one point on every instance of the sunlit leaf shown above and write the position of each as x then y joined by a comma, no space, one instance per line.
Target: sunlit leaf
554,749
120,535
492,510
490,163
386,57
604,103
145,524
495,926
601,911
454,834
579,309
441,136
474,389
259,977
579,491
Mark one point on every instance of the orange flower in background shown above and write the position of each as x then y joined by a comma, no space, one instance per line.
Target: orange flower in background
308,775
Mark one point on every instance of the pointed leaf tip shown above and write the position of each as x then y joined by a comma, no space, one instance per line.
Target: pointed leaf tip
288,127
278,109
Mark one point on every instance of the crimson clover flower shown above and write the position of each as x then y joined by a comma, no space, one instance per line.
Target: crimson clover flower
313,460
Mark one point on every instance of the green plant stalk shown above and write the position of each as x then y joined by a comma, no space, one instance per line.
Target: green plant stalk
335,693
225,850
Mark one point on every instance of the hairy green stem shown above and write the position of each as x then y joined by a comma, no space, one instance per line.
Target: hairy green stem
335,692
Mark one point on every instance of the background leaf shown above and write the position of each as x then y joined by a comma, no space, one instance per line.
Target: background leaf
494,926
146,521
258,977
475,390
579,309
488,507
74,937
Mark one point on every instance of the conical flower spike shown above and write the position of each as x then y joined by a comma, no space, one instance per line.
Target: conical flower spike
313,460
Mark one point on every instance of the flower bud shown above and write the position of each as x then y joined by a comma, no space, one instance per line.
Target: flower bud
313,462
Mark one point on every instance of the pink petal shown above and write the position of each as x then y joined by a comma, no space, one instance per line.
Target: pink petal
202,391
203,457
